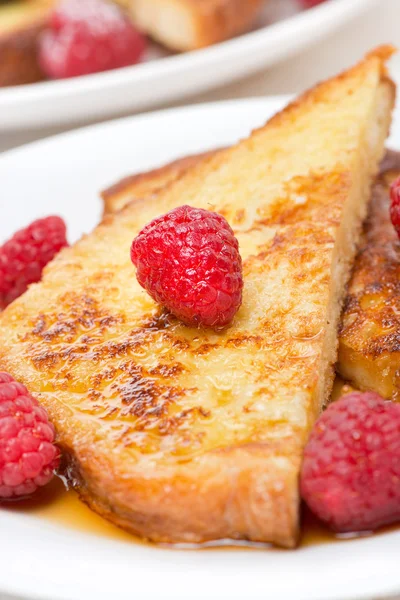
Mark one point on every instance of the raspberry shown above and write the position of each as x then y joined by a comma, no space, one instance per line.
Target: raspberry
88,37
395,205
28,455
310,3
351,471
189,261
23,257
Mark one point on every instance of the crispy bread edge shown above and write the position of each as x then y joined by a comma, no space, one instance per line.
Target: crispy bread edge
142,185
148,183
247,492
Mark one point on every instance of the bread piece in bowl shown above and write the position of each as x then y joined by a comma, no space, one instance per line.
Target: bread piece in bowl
189,24
21,23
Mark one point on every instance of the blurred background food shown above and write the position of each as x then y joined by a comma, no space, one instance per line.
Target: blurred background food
37,44
21,24
284,55
194,24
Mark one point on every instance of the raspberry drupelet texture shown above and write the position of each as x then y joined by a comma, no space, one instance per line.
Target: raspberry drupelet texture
188,260
28,455
23,257
395,205
351,471
89,37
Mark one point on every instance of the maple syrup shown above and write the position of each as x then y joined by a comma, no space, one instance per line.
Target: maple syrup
58,505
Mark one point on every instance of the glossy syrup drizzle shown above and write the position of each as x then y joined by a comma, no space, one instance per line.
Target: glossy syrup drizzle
57,505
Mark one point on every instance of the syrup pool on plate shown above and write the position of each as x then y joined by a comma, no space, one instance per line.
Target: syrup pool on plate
57,505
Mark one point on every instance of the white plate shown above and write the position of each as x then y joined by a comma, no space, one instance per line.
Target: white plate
160,81
43,559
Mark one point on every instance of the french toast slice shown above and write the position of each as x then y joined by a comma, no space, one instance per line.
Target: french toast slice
21,23
369,349
187,435
190,24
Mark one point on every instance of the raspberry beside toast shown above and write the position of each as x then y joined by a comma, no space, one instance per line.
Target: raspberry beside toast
190,24
187,435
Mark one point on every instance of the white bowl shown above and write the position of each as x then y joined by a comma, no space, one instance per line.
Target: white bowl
160,81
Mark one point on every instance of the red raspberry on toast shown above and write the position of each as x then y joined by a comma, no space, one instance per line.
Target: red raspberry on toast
188,260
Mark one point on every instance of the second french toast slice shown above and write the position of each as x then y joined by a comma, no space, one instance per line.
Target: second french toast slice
369,350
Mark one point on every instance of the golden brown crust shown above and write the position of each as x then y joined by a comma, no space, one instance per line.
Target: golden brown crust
146,184
247,492
190,24
379,55
369,353
187,435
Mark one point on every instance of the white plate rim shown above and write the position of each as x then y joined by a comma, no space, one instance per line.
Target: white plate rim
199,107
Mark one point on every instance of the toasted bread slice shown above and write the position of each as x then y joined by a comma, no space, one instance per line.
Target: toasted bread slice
369,350
146,184
21,24
190,24
187,435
